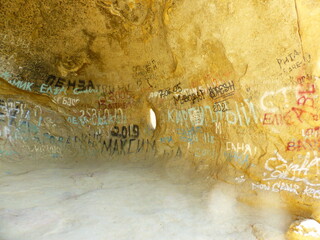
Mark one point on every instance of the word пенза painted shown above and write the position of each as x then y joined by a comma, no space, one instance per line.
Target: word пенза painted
76,84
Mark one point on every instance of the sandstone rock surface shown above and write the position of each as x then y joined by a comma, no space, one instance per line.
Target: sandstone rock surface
233,85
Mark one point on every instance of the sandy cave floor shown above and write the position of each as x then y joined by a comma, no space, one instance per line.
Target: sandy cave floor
126,202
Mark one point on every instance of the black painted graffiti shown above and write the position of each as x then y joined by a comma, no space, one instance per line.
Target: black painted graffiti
145,72
61,82
193,97
220,106
166,92
224,90
172,153
128,146
132,131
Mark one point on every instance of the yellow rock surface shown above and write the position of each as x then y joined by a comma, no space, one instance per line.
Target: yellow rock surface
233,84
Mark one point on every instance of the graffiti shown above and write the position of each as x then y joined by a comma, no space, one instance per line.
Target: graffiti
240,158
306,100
128,146
94,113
200,152
198,116
22,85
273,97
59,82
122,105
6,75
145,72
44,88
221,106
302,145
166,92
207,138
311,132
88,139
19,131
78,91
106,89
276,187
224,90
55,86
166,139
194,97
163,93
279,168
132,131
71,102
7,153
275,119
116,99
305,78
188,91
240,116
311,192
193,134
5,133
290,62
303,100
119,96
177,90
303,111
98,117
102,103
177,153
240,147
14,41
45,149
293,116
189,135
76,120
14,112
240,179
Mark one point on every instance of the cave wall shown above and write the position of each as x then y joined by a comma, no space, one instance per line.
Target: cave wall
233,85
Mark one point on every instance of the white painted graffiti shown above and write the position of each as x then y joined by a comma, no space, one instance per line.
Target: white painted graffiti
306,172
276,187
269,98
66,101
245,148
199,116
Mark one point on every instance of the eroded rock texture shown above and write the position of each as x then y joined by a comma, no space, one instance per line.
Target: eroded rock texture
233,84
